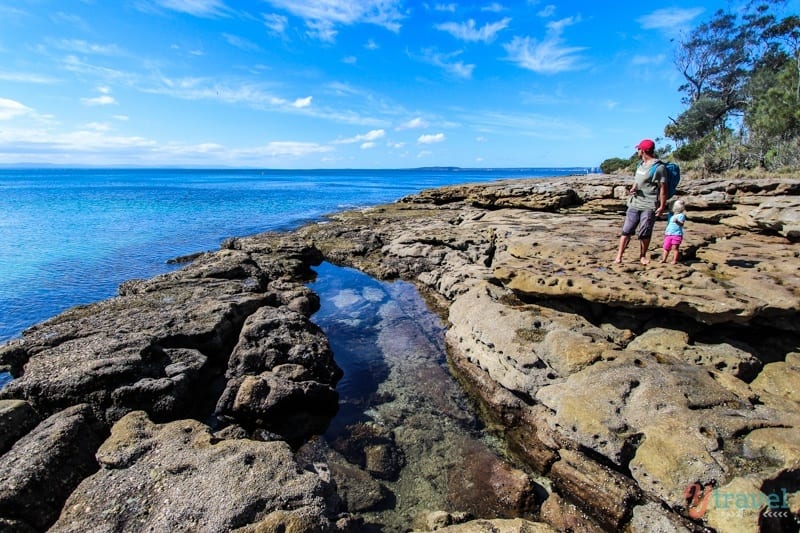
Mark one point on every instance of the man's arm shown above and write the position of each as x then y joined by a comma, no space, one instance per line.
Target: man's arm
662,197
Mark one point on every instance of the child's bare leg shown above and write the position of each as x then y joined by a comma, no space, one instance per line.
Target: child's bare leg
664,256
677,255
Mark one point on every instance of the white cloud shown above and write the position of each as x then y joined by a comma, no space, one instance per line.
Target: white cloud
11,108
481,139
370,136
547,11
84,47
494,7
413,124
670,21
241,43
105,98
371,45
431,138
445,7
350,60
322,16
294,149
367,145
24,77
467,31
549,55
98,126
444,61
275,22
198,8
302,102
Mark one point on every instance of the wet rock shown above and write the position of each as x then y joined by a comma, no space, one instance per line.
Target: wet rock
43,467
509,525
177,477
663,375
372,448
483,485
566,516
622,382
358,490
608,495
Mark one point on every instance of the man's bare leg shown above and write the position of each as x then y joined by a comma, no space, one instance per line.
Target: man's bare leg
623,243
644,244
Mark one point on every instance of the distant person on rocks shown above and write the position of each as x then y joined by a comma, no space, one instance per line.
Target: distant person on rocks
673,235
646,201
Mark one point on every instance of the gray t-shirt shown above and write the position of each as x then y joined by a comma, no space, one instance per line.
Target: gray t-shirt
646,197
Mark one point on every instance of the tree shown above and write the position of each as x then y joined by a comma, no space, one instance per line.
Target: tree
742,89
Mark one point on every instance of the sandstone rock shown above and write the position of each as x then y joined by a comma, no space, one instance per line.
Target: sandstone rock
510,525
43,467
566,516
16,419
625,383
177,477
608,495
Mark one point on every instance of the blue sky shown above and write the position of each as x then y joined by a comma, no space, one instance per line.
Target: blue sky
337,83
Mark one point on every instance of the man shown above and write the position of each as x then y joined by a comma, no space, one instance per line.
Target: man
647,200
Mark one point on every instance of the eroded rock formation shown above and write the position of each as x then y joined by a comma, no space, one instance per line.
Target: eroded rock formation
658,394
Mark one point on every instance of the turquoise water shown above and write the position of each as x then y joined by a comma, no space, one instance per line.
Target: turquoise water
70,237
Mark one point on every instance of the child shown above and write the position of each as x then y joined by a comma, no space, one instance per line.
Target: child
673,235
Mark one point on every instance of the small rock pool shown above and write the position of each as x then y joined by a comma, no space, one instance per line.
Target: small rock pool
405,444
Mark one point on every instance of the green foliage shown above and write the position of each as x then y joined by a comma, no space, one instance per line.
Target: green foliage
741,91
615,164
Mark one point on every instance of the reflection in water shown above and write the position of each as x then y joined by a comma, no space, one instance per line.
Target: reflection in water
405,441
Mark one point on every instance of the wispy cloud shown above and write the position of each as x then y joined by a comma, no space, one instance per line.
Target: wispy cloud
494,7
276,23
548,56
104,98
198,8
85,47
413,124
241,43
26,77
370,136
322,16
467,31
294,149
445,61
670,21
431,138
11,108
527,124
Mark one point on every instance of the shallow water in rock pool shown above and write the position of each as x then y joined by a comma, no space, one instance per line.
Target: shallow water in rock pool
402,416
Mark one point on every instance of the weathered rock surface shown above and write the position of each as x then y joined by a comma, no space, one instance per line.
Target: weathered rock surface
178,477
227,341
626,385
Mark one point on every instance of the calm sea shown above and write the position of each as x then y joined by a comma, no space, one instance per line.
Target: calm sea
70,237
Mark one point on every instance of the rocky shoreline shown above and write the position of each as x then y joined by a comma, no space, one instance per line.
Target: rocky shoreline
658,397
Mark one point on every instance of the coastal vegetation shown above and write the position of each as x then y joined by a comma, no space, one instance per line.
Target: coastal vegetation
741,89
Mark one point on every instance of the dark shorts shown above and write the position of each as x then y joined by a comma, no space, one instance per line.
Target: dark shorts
644,220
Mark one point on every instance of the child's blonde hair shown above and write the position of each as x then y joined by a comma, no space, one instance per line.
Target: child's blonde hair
679,206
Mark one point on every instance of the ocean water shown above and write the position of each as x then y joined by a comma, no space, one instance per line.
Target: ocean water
71,236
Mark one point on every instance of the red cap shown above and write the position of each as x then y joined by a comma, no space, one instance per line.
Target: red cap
646,145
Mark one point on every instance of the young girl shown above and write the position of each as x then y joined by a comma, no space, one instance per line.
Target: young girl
673,235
